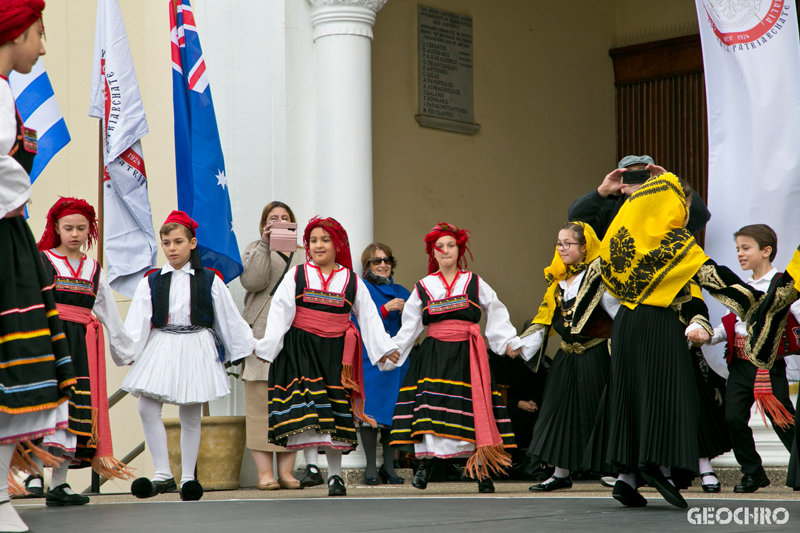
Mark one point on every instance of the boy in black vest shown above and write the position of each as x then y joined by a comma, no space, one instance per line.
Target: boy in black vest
185,326
756,246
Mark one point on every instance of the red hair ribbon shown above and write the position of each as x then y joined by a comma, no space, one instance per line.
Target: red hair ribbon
338,235
462,240
16,16
62,208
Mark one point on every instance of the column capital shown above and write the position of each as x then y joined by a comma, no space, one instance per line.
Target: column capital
344,17
372,5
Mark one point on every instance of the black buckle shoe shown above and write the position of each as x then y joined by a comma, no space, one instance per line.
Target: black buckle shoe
661,483
58,497
554,483
752,482
144,488
191,491
312,477
627,495
34,492
420,480
336,486
710,487
486,486
391,480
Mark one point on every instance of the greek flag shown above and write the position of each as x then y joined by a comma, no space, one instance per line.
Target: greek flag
38,108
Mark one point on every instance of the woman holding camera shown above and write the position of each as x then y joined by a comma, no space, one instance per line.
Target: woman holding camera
263,271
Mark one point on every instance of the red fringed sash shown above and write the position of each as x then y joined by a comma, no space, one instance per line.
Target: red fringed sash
329,326
103,461
490,452
766,402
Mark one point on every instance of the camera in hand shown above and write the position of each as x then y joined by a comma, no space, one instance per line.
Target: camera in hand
634,177
283,237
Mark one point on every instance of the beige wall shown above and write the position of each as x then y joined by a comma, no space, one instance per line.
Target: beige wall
544,96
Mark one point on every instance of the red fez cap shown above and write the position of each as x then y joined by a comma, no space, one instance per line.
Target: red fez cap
16,16
183,219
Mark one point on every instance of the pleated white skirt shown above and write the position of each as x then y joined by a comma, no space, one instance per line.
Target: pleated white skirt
178,369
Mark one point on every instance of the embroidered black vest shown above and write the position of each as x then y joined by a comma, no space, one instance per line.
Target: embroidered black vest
25,148
202,312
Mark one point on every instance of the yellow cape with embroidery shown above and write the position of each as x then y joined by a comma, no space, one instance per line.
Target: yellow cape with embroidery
558,271
647,255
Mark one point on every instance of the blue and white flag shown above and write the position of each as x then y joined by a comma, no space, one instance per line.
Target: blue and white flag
200,166
38,108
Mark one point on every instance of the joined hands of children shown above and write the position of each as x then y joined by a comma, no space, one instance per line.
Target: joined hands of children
394,357
698,336
527,406
511,352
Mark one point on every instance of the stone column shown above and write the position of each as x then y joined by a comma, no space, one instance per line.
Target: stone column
343,68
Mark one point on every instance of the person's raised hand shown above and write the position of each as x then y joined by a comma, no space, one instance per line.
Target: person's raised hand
612,183
655,170
265,234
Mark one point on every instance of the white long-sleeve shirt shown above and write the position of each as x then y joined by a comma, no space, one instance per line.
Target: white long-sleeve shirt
105,307
283,308
499,331
229,325
532,343
762,284
15,185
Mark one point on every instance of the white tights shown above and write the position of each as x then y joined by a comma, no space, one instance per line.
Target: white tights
9,519
156,437
334,458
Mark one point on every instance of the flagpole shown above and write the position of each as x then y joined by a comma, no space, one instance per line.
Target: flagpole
100,217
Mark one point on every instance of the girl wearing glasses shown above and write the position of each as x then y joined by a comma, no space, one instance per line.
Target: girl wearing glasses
448,406
577,306
381,388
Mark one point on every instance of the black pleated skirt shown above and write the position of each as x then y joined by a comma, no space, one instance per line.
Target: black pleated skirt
713,434
793,474
650,416
572,394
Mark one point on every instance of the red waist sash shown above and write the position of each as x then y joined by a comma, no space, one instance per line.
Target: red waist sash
334,325
103,461
490,451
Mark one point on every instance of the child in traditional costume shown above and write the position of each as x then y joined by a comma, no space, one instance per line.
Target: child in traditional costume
185,326
649,423
448,406
316,379
576,306
36,372
756,246
81,289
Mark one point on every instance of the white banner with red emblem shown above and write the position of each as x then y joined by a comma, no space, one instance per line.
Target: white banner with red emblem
751,59
129,238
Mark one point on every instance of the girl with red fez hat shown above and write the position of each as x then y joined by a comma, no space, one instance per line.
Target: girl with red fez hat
448,405
36,371
81,289
185,327
316,381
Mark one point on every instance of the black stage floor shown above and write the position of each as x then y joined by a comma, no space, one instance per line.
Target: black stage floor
462,514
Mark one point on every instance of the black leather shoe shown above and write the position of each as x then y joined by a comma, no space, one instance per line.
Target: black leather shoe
752,482
486,486
312,477
710,487
57,497
627,495
554,483
336,486
144,488
34,492
420,480
661,483
391,480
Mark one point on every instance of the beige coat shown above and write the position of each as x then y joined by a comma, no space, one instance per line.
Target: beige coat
262,270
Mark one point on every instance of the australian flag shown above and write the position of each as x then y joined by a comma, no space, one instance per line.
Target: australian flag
200,166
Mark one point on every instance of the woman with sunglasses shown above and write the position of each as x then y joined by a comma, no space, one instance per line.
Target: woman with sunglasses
577,306
381,388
